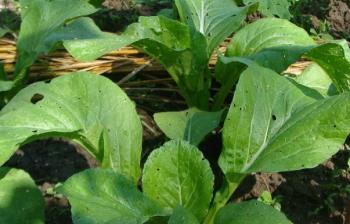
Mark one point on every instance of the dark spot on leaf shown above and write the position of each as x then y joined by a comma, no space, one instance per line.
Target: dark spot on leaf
35,131
274,117
335,126
158,169
47,81
36,98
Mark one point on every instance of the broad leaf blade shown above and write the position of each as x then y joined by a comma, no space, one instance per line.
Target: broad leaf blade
177,174
81,107
40,19
267,33
182,216
274,125
191,125
20,200
251,212
316,78
102,196
215,19
333,59
273,43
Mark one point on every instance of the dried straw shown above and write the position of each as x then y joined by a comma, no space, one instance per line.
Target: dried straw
124,60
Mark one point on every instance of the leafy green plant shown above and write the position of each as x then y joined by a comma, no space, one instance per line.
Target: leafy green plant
275,116
41,31
183,47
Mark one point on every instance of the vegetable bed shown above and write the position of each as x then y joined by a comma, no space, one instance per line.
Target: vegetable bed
226,132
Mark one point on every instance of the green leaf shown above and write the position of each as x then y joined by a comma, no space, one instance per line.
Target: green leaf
251,212
82,107
182,53
272,8
102,196
267,33
276,44
5,85
3,74
182,216
316,78
85,41
271,42
274,125
3,31
41,19
332,58
21,201
215,19
192,125
177,174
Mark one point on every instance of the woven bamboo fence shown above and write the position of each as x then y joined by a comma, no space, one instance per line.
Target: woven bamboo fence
125,60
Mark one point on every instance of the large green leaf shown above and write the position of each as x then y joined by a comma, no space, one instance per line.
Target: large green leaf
102,196
276,44
191,125
333,59
182,216
316,78
271,42
267,33
251,212
41,19
177,174
21,201
87,108
274,125
215,19
272,8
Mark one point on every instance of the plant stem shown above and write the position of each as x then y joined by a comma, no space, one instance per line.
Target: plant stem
223,196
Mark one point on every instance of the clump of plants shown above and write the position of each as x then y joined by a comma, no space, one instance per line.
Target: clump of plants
275,123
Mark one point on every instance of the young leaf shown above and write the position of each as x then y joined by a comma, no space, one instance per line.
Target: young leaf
100,196
177,174
272,8
20,200
40,19
274,125
191,125
215,19
3,31
182,216
250,212
81,107
316,78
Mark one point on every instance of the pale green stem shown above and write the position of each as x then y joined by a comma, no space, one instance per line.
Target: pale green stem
223,196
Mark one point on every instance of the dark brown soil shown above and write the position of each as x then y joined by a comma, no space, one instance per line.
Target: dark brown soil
315,196
335,14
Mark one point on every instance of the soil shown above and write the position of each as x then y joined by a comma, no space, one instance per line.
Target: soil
314,196
314,14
